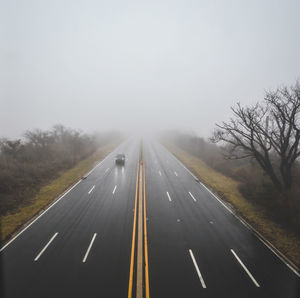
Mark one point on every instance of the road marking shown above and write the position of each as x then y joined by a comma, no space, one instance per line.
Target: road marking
145,238
45,247
91,190
113,192
176,174
133,236
89,248
224,205
169,197
288,265
159,173
139,259
106,170
192,197
197,269
245,268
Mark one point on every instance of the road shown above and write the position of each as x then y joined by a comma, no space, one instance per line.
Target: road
83,245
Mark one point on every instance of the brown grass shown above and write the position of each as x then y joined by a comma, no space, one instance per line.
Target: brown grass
11,222
227,189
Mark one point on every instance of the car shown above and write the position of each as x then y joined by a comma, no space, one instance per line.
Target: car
120,159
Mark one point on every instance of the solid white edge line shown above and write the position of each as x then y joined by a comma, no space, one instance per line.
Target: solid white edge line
113,192
54,203
45,247
297,273
89,248
91,190
245,268
269,245
192,197
197,269
57,200
169,197
224,205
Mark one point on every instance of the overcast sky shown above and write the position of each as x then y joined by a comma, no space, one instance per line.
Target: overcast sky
134,65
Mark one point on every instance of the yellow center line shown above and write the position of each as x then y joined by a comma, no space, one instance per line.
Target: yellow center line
139,260
133,237
140,218
145,239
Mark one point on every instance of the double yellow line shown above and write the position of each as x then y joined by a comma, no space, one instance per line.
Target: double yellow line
145,240
139,221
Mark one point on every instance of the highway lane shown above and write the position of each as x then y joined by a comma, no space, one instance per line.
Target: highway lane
81,247
199,249
91,230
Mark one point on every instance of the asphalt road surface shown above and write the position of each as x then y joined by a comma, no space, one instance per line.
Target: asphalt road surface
82,245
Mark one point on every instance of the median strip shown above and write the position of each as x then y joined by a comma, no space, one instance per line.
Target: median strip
146,239
139,235
133,238
139,277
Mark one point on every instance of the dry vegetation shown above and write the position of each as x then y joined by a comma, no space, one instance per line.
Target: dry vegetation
244,186
33,172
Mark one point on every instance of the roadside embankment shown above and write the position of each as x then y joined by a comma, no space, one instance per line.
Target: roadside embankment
48,193
227,189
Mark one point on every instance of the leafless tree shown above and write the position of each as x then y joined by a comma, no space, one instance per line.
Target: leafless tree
269,132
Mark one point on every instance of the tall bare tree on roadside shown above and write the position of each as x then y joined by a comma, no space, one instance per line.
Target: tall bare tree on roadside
268,131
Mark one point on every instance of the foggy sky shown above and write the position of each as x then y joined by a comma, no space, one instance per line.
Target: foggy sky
141,65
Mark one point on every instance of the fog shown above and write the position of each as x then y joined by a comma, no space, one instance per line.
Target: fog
141,65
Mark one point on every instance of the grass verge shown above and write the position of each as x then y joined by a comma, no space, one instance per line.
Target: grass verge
11,222
227,188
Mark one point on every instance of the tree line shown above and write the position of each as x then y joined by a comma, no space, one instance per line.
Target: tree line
269,132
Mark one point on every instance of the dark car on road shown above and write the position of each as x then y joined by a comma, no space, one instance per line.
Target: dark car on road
120,159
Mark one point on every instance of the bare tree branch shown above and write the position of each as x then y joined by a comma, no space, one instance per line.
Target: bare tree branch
249,135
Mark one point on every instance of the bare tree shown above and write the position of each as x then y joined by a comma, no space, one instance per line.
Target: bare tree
268,132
